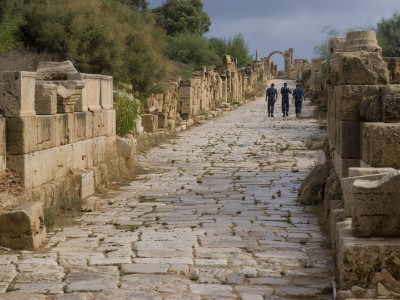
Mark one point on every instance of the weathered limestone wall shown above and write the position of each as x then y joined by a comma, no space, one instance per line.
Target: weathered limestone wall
364,139
300,65
57,121
208,89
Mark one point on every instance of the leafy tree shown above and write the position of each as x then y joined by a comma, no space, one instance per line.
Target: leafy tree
178,16
10,22
388,35
99,36
192,49
238,49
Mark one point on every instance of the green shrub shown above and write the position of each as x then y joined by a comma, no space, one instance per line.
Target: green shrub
127,110
99,36
10,22
191,49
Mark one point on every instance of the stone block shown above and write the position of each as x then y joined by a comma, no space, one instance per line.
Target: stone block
46,132
70,128
110,122
347,189
358,68
349,140
373,217
106,85
149,122
363,171
43,166
80,121
380,144
98,123
92,92
125,147
86,183
162,120
394,68
61,130
49,71
17,97
348,99
21,135
342,165
371,107
46,98
391,103
22,228
360,260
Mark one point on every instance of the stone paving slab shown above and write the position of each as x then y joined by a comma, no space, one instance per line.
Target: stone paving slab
213,216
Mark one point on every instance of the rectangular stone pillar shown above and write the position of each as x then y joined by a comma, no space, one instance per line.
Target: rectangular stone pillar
186,98
106,100
17,94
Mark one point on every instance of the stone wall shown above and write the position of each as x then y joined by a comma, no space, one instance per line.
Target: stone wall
209,89
56,122
364,140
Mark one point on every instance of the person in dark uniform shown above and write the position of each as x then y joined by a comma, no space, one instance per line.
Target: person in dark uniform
270,96
285,91
298,96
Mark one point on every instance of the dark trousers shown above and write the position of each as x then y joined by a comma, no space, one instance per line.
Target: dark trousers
271,105
285,106
298,103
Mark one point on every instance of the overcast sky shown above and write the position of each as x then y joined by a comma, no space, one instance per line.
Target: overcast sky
269,25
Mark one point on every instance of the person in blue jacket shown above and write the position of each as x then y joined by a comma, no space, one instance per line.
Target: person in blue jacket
270,96
298,96
285,91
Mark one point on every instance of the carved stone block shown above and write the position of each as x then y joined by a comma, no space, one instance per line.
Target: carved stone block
376,206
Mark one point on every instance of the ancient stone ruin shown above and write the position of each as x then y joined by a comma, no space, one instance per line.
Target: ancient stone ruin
58,123
361,192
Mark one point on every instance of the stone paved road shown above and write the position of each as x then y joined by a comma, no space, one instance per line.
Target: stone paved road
213,217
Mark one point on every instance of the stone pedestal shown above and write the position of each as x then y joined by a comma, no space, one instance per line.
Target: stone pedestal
17,94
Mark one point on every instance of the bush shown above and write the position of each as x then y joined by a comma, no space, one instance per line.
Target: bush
10,22
99,36
127,110
191,49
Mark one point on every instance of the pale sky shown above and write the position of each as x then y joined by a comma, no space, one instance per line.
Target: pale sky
269,25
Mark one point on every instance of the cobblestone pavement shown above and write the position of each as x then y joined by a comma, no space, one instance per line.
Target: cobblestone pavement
213,216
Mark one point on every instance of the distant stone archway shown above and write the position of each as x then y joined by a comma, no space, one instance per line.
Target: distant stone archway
275,52
288,58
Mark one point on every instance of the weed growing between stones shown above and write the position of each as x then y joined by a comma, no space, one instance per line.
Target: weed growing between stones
311,140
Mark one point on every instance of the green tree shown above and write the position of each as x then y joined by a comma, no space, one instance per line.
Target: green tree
388,35
191,49
10,23
99,36
238,48
178,16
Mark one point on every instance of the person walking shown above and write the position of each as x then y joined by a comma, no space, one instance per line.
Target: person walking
298,96
285,91
270,96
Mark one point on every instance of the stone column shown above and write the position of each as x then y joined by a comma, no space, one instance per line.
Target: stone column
17,94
